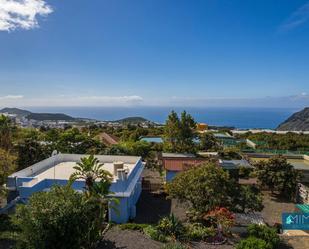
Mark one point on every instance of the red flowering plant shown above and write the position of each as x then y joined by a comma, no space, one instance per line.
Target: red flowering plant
221,218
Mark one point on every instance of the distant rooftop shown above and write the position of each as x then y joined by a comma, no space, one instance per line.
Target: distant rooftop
177,155
108,138
152,139
232,164
223,135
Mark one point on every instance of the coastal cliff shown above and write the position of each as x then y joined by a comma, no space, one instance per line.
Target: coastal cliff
299,121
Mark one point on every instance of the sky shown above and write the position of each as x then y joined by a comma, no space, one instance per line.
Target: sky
154,52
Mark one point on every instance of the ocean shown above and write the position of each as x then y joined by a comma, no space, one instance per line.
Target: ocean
242,118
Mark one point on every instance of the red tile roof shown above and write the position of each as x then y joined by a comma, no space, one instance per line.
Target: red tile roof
108,138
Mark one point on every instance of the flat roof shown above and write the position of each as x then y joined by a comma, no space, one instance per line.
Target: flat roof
223,135
235,163
152,139
64,170
300,164
61,165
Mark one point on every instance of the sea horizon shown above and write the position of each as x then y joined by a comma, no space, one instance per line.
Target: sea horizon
238,117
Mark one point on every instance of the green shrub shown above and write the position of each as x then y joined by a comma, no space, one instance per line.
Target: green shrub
6,223
60,218
265,233
252,243
244,172
199,232
154,234
133,226
171,226
8,231
174,246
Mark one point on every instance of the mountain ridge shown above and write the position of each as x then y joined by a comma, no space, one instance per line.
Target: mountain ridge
64,117
299,121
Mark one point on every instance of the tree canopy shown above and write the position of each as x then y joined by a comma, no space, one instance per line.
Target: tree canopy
278,175
5,133
179,133
208,186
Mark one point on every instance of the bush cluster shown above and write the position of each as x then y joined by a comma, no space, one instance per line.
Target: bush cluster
133,226
155,234
171,226
198,232
252,243
60,218
260,237
171,229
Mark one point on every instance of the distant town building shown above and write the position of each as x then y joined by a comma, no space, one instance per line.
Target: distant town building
201,126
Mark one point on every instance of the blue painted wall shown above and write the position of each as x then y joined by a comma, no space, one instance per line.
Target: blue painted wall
127,191
170,175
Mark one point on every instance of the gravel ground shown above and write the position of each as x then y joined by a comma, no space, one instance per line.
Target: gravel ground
274,207
116,238
200,245
297,242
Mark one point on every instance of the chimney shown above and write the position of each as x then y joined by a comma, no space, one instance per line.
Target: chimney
121,174
117,165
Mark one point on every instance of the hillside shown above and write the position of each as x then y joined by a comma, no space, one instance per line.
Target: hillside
299,121
133,120
15,111
50,116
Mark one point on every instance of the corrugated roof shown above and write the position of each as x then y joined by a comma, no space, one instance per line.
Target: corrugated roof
178,155
180,164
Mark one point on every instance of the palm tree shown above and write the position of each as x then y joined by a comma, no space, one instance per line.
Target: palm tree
97,180
97,183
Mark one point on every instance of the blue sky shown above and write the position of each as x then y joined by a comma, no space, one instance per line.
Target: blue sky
154,52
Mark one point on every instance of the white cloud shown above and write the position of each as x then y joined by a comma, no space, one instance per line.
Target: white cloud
71,100
8,97
299,100
296,19
22,13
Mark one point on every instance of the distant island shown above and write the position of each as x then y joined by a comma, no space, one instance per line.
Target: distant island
299,121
